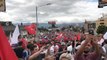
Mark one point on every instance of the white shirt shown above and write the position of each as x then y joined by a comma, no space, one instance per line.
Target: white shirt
69,48
104,49
52,49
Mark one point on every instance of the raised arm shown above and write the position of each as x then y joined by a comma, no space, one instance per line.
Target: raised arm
36,54
95,45
82,48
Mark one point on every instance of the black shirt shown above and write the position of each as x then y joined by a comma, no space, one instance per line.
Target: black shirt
19,52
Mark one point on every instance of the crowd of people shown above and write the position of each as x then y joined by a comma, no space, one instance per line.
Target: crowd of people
62,45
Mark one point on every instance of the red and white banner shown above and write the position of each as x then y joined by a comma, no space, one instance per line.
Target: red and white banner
2,6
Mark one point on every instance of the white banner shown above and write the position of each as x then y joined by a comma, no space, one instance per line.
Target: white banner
2,6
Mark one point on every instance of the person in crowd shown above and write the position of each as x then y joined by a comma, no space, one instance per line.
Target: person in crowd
66,56
25,54
35,53
62,48
84,53
19,50
102,44
48,56
100,39
54,48
70,48
104,50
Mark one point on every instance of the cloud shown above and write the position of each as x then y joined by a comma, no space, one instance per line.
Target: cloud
82,10
62,11
5,17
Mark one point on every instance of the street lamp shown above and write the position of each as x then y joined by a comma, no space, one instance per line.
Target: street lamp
37,18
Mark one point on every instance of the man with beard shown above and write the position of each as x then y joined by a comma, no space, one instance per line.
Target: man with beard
85,52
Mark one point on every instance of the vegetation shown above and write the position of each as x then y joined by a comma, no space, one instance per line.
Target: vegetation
102,29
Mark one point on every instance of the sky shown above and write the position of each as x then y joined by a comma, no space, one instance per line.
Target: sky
61,11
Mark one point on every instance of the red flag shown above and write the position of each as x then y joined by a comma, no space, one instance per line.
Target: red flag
31,29
33,26
6,51
59,36
78,36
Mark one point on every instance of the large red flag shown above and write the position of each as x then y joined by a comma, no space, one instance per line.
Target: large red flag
6,51
31,29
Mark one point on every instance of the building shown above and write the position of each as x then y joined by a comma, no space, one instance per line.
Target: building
89,25
101,21
8,27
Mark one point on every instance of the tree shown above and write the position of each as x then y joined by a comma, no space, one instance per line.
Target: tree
101,29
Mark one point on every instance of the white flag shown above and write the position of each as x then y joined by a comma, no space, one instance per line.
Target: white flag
16,33
2,6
